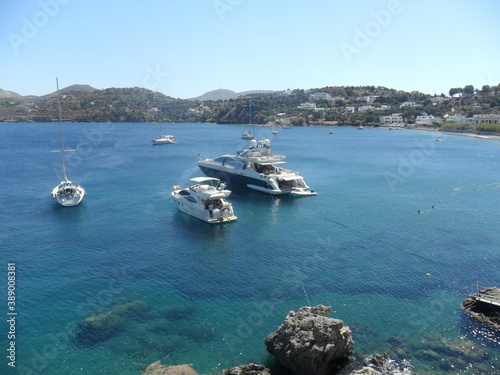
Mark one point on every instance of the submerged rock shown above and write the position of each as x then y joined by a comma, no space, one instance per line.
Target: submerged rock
157,368
103,326
250,369
308,342
486,313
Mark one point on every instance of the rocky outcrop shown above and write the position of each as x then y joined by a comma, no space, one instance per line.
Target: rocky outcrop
308,342
366,371
250,369
487,313
157,368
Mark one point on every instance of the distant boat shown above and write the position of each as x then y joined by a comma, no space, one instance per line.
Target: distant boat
438,139
274,131
205,200
66,193
360,127
331,131
164,139
247,134
284,126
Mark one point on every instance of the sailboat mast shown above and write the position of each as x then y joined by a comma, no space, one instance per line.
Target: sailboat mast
61,131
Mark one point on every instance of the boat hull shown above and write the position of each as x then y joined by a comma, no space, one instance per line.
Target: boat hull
193,209
68,199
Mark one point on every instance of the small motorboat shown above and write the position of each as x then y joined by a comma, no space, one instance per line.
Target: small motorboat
205,200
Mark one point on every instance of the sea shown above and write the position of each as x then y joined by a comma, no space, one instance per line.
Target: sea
125,279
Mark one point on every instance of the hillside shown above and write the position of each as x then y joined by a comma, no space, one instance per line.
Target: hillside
350,105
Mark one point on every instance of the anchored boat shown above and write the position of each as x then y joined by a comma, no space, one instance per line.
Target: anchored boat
205,200
258,169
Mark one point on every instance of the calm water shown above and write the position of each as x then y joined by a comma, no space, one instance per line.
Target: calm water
210,294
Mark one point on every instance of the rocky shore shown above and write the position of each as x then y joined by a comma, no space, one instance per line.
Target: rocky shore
484,306
308,342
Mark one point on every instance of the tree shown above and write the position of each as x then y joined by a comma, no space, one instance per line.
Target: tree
469,89
455,91
485,90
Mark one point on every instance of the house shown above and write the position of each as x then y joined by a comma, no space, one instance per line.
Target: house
409,104
426,119
459,118
349,109
307,105
395,118
319,96
367,99
486,119
365,108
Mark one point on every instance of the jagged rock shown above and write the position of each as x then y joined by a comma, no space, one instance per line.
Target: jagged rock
484,313
250,369
308,342
156,368
366,371
377,359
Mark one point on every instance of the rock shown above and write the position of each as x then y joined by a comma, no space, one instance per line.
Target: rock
366,371
308,342
485,313
250,369
101,327
378,360
157,368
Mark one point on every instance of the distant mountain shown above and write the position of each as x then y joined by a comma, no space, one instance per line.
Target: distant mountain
72,88
220,94
5,94
223,94
8,94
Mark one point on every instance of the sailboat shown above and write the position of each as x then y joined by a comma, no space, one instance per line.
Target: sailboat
247,134
66,193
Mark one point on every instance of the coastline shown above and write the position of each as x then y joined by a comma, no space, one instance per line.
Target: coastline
462,133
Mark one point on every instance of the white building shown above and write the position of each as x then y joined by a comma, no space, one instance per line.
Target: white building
368,99
337,99
427,120
307,105
366,108
349,109
409,104
395,118
460,119
319,96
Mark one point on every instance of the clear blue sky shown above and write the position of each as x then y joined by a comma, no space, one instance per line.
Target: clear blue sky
185,48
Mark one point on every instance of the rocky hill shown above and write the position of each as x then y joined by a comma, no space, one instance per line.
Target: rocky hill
349,105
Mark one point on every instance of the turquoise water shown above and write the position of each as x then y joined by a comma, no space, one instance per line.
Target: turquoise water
210,294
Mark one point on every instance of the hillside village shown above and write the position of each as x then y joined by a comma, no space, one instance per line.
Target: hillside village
461,109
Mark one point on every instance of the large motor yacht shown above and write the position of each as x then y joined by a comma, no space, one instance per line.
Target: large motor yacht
258,169
205,200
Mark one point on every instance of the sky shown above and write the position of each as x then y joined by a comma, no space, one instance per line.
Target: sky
186,48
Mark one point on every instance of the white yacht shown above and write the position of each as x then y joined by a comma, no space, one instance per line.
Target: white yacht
274,131
66,193
164,139
205,200
257,168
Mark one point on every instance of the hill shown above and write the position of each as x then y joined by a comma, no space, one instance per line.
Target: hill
223,94
8,94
